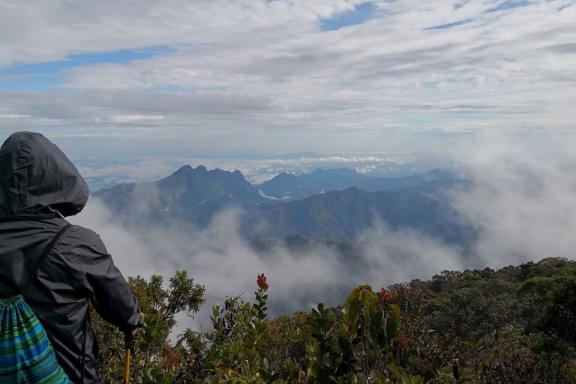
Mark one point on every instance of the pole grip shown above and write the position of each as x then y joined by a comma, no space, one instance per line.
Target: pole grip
129,341
127,365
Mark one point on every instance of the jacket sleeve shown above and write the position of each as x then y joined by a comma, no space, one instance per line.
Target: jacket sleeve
108,290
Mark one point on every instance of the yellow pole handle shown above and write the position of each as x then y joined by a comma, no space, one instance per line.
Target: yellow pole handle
127,364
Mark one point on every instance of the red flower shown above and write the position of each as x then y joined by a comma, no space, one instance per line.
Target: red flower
261,281
384,294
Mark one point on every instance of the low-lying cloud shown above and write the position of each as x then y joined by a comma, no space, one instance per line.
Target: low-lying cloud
523,206
219,258
522,201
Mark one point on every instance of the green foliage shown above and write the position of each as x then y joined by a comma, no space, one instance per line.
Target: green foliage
559,318
156,360
329,352
513,325
351,345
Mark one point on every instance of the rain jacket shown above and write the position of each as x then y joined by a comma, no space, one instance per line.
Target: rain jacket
38,187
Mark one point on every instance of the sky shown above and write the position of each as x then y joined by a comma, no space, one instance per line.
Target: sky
207,77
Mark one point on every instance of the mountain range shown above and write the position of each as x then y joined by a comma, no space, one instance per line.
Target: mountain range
330,205
286,186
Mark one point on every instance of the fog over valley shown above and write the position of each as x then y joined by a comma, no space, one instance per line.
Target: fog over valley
514,206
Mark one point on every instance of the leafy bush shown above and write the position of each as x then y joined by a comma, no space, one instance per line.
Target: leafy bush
514,325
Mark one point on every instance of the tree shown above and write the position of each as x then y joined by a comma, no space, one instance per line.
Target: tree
559,318
156,360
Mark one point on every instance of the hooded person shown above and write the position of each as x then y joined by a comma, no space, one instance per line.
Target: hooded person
39,186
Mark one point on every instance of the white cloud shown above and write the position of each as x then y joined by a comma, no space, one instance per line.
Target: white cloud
219,258
127,119
521,200
255,65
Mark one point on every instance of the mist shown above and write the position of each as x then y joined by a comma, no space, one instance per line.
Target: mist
522,199
522,203
219,258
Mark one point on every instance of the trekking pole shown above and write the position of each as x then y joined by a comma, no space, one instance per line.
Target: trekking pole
129,341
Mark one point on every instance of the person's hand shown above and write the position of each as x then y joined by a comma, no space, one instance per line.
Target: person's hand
138,331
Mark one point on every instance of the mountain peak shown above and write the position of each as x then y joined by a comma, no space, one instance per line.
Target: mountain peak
184,169
187,170
202,174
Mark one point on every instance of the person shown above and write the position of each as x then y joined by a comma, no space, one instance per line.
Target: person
39,187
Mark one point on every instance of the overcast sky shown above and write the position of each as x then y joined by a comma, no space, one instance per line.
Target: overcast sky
249,76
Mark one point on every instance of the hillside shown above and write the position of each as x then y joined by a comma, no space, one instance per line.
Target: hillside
344,215
287,186
511,325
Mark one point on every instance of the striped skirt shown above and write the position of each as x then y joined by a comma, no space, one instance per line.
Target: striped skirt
26,355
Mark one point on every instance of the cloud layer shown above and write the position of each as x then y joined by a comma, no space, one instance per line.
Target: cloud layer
268,69
522,202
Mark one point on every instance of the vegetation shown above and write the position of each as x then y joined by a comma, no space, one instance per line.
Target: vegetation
513,325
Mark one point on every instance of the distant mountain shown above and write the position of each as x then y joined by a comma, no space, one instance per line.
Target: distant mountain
189,194
287,186
195,195
341,216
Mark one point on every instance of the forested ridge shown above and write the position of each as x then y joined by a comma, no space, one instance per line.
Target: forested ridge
512,325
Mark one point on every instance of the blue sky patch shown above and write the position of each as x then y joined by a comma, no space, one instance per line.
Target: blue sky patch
509,4
31,82
45,76
449,25
358,15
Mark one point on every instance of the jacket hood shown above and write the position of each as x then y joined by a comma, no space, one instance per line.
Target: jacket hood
36,177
